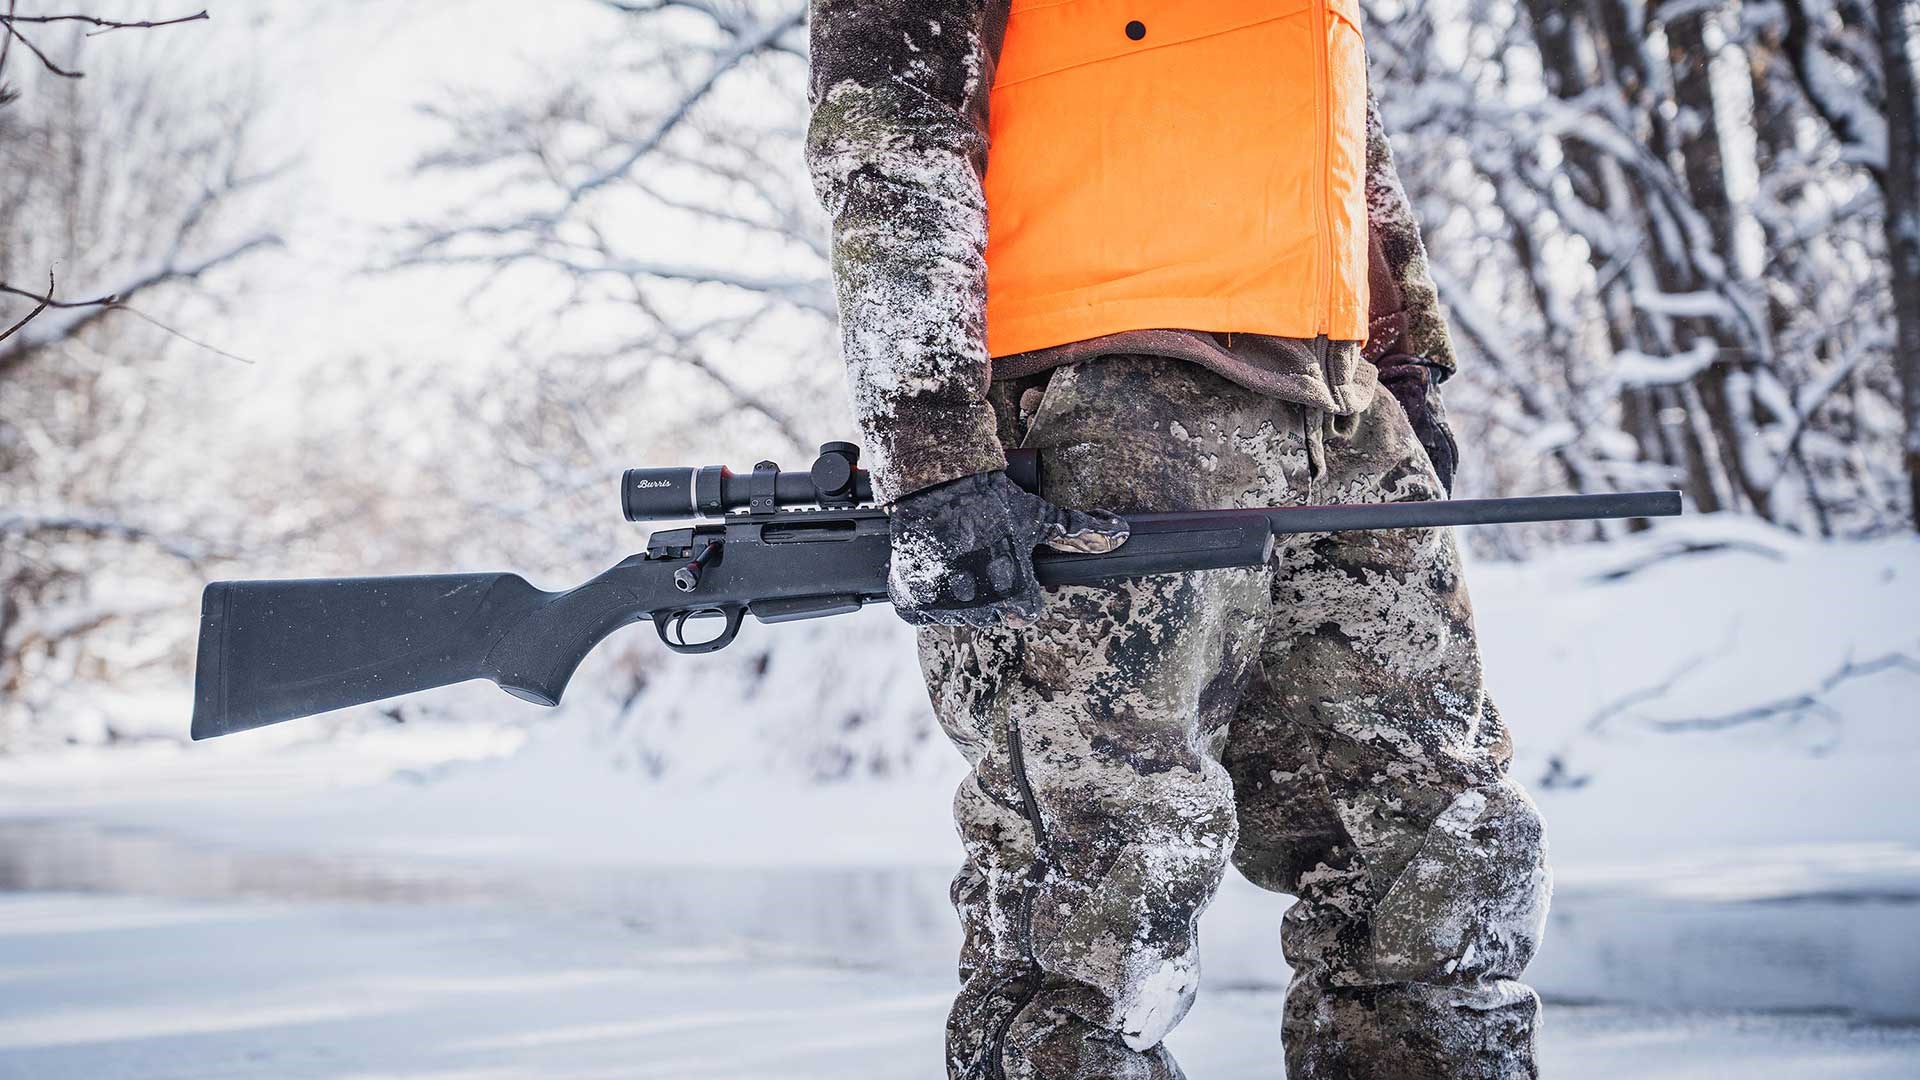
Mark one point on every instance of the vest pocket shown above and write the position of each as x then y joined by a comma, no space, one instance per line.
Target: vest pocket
1206,174
1049,36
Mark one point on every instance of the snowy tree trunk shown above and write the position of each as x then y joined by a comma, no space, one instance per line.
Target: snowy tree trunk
1703,155
1902,188
1777,112
1622,29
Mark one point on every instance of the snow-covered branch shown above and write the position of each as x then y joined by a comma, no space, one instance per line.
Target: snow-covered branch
30,525
1690,281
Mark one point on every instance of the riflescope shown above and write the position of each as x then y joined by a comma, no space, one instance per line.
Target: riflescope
836,480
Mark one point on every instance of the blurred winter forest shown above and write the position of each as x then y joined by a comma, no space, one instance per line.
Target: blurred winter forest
376,291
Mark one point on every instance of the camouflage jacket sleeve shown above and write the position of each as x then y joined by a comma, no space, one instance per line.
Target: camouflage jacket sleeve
1415,325
897,147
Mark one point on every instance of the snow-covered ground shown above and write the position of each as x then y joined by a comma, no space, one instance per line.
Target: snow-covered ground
1718,721
110,986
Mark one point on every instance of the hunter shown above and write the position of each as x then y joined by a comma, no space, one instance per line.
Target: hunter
1163,242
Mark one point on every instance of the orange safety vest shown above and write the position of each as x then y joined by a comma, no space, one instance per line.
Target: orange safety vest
1182,164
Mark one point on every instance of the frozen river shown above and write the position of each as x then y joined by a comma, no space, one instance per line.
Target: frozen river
129,954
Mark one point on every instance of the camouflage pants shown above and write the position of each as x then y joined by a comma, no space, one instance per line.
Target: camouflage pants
1319,721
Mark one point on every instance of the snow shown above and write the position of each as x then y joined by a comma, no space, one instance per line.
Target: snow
1730,815
1635,679
1159,1002
1635,368
476,993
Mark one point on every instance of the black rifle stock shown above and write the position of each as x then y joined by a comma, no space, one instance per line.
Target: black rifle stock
278,650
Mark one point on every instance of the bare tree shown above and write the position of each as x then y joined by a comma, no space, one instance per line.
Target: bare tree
15,27
1693,285
141,188
1900,185
652,219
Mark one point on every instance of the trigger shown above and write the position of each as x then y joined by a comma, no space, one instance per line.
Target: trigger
672,628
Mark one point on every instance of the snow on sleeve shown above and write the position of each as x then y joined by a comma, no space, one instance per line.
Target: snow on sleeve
897,150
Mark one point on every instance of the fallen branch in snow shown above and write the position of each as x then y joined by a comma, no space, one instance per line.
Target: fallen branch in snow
1559,777
1625,703
1683,549
1794,707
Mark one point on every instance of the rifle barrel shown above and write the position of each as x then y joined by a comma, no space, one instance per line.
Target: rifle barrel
1440,513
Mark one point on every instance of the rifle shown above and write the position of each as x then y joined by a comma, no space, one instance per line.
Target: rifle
777,545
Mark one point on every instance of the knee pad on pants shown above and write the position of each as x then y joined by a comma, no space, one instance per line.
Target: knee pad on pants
1472,902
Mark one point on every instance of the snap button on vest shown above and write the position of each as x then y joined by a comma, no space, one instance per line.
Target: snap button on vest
1136,29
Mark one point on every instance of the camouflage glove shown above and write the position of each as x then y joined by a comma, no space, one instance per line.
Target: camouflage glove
963,550
1416,388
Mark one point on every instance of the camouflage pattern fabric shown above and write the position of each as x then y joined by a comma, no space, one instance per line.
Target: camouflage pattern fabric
1319,722
1414,323
897,147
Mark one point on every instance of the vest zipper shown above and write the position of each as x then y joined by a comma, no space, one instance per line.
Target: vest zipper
1323,152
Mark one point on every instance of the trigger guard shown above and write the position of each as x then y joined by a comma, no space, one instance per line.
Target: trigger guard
672,627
